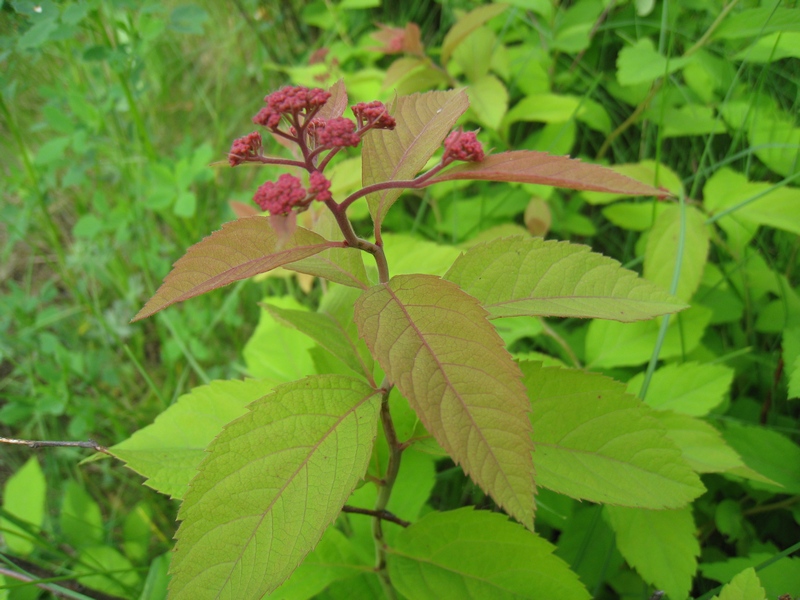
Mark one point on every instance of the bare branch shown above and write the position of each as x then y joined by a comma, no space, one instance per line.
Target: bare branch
33,444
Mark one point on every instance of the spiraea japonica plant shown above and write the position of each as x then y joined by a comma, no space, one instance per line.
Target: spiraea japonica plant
272,478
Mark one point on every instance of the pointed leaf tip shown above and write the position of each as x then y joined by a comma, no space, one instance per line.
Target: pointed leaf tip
239,250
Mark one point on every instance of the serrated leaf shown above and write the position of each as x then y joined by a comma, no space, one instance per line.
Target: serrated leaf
660,544
434,342
745,586
466,25
326,331
595,442
529,166
167,452
340,265
769,453
423,121
688,388
779,578
662,250
239,250
270,485
531,277
701,445
468,553
646,171
24,498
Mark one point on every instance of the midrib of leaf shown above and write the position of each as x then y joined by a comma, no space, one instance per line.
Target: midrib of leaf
490,450
289,480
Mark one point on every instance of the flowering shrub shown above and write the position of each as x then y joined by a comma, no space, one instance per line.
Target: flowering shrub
423,359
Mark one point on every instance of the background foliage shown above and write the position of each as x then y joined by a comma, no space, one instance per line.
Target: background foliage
112,111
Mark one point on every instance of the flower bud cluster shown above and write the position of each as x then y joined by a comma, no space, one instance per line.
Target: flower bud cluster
462,145
244,147
280,197
373,115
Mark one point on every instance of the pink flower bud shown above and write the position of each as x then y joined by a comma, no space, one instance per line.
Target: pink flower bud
319,186
373,114
279,198
462,145
337,133
296,99
244,148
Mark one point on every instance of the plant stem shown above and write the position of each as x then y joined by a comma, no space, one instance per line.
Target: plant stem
33,444
385,491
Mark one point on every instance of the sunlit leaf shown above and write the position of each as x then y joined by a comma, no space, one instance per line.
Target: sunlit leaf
435,344
466,25
168,451
701,445
529,166
595,442
423,121
777,579
648,172
660,544
531,277
745,586
663,250
467,553
641,63
270,485
24,497
239,250
689,388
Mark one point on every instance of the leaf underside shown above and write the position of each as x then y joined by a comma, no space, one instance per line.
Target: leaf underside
516,276
423,121
530,166
434,342
271,484
595,442
239,250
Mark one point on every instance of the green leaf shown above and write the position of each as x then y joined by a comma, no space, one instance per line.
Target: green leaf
423,121
104,569
757,22
641,63
488,99
241,249
769,453
23,498
662,250
529,166
773,47
155,585
776,579
167,452
270,485
468,553
531,277
700,443
689,388
474,54
545,108
610,344
408,254
689,120
80,518
333,559
276,351
634,216
434,342
791,359
466,25
138,531
660,544
646,171
326,331
595,442
745,586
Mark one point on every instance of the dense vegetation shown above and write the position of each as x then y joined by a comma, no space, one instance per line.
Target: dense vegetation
112,111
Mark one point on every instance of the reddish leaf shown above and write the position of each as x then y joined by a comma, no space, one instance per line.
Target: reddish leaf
528,166
423,121
239,250
336,104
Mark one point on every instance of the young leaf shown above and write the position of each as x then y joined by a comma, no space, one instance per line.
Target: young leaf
168,451
660,544
326,331
271,484
239,250
700,443
434,342
595,442
529,166
530,277
745,586
23,497
662,250
336,104
340,265
466,25
423,121
689,388
468,553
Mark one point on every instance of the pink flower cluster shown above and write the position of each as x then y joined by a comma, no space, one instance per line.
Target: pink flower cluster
280,197
373,115
244,148
290,100
462,145
337,133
